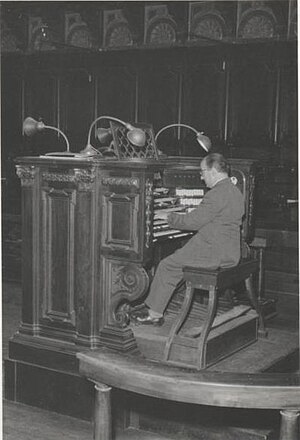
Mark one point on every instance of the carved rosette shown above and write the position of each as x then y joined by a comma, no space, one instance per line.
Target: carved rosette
84,178
128,282
258,23
26,174
121,181
148,202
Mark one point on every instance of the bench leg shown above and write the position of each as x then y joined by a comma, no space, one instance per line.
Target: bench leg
102,414
289,425
254,302
202,340
189,293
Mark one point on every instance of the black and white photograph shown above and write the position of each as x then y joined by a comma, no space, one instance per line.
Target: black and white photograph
150,247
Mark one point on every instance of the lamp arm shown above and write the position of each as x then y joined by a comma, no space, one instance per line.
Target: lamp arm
175,125
60,132
105,117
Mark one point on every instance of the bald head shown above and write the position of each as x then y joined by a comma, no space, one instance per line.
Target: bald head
214,167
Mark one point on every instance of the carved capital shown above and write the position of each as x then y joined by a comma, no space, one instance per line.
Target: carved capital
121,181
59,176
26,174
84,178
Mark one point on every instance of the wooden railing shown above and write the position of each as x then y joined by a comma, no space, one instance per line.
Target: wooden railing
132,373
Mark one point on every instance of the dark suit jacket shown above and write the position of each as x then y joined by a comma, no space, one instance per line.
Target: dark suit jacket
218,221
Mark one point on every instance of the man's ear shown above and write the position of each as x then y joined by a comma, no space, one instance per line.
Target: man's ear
214,172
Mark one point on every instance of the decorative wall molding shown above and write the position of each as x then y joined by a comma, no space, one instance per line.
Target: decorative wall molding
9,42
263,20
121,181
257,23
159,26
292,20
146,23
38,35
205,20
116,30
84,178
77,32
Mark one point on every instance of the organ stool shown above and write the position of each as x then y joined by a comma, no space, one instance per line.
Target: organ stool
213,281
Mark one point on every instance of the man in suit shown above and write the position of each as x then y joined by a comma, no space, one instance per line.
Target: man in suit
217,220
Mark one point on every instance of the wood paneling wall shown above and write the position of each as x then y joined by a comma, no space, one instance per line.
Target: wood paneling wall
240,90
240,96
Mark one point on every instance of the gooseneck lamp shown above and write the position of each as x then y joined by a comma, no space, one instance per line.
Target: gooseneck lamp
202,140
136,136
31,127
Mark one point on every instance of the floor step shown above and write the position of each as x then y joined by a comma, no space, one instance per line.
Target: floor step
207,433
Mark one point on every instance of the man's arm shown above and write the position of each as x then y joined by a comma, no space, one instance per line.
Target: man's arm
212,203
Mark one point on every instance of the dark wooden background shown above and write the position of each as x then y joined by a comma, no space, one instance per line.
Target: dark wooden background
226,68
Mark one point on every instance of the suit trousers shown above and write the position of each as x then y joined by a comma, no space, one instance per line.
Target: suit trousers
167,276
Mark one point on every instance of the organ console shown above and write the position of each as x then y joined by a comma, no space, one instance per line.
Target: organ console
91,241
92,237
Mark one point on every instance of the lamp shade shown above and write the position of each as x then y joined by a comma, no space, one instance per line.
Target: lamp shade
202,140
136,137
31,126
104,135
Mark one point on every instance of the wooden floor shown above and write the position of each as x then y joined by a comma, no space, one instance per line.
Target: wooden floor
23,422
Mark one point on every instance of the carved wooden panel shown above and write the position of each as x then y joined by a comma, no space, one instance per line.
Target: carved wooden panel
58,211
9,41
262,19
160,27
212,20
124,282
77,32
39,35
116,29
293,20
120,216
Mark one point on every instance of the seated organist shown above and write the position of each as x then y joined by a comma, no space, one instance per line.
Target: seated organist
217,220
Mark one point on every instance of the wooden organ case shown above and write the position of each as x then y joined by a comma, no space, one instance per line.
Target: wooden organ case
90,244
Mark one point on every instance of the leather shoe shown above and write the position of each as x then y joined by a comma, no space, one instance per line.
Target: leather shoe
143,317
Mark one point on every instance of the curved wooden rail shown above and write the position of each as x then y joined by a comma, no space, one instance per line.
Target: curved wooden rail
136,374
